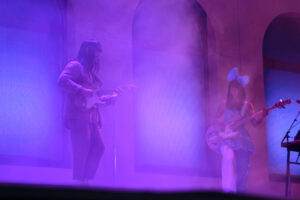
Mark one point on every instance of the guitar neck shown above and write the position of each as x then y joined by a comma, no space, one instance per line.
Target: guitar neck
104,92
244,120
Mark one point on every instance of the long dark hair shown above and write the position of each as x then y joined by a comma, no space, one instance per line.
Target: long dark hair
87,52
241,95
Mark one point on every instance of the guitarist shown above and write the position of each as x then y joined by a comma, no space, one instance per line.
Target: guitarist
78,79
236,151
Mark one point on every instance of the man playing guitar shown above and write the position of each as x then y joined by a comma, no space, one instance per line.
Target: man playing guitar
79,81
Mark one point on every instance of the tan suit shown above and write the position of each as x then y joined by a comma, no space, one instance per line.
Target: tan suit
84,125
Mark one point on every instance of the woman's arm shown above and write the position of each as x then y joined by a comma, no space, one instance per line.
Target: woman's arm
256,118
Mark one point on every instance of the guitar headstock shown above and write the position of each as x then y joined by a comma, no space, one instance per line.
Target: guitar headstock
282,103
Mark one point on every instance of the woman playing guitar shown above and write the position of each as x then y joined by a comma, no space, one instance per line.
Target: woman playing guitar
237,147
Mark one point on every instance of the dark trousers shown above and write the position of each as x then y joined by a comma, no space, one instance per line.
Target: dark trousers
87,147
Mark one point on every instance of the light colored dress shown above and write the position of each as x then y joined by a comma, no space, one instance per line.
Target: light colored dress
243,148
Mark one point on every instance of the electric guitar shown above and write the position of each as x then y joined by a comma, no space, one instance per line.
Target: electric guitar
216,134
97,98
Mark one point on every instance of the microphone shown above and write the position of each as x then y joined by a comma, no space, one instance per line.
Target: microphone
298,101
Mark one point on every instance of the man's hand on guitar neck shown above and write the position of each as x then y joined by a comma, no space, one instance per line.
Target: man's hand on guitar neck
109,99
119,90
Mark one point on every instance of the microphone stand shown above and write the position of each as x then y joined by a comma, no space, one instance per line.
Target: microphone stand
287,189
289,130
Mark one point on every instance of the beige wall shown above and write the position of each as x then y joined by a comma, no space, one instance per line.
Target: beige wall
239,27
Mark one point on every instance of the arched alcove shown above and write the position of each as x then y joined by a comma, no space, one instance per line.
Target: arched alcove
170,57
31,37
281,50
